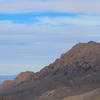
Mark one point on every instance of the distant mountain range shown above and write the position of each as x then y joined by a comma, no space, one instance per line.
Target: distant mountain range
6,77
73,76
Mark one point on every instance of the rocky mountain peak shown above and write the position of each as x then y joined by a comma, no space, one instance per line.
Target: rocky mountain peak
82,54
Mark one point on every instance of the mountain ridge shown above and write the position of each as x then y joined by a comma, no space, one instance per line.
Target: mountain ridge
77,68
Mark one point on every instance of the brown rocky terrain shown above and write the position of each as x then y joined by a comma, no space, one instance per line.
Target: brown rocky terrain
93,95
69,94
77,71
24,76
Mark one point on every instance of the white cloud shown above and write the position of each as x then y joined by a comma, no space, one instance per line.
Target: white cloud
82,20
35,36
15,36
81,25
61,6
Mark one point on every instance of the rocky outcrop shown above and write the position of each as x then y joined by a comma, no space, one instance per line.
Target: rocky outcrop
24,76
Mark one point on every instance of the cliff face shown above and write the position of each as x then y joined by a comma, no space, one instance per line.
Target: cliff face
77,68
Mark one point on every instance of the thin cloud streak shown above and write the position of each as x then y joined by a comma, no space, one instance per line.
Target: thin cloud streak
83,20
33,6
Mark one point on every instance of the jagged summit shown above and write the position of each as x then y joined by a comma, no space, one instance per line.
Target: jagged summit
92,42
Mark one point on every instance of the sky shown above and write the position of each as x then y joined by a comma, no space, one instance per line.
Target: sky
33,33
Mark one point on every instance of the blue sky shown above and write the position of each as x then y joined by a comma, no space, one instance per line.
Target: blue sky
33,33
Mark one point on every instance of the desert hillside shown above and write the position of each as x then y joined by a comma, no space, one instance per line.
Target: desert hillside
93,95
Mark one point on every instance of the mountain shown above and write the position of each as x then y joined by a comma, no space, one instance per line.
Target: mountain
76,71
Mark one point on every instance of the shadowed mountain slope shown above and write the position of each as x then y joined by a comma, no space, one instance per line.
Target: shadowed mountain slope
77,69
